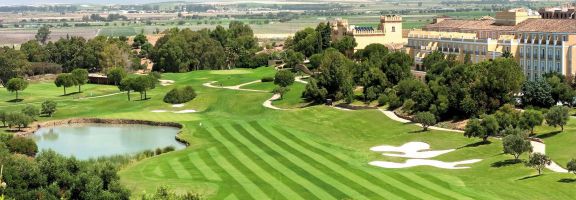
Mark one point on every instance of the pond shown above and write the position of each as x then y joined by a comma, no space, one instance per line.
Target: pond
85,141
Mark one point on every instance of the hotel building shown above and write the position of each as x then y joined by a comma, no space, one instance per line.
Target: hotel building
539,45
388,33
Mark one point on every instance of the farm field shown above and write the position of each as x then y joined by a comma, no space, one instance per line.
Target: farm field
242,150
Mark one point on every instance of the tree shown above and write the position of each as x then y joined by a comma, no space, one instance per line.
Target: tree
49,107
16,84
43,34
13,63
139,40
65,81
3,117
345,45
538,161
142,84
516,144
116,75
80,77
34,51
530,119
426,119
281,91
557,116
432,58
507,116
474,128
127,85
537,93
19,120
293,58
571,166
490,124
31,111
22,145
284,78
334,80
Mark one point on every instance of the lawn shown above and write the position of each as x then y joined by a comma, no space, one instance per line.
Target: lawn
242,150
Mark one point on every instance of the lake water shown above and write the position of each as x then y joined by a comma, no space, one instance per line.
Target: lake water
85,141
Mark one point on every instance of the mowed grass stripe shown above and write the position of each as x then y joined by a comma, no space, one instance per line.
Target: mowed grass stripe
433,186
268,163
241,179
311,168
188,166
228,184
307,188
204,169
302,172
265,180
441,182
346,176
417,184
375,178
179,169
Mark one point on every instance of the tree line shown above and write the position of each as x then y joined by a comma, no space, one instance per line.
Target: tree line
186,50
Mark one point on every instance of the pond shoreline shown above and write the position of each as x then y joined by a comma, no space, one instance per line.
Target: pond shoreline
30,130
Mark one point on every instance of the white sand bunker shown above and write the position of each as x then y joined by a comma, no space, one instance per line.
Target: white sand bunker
425,162
166,82
185,111
410,150
414,150
159,111
177,105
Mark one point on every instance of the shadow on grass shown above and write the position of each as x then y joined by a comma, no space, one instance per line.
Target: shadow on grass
143,99
529,177
419,131
70,94
15,100
567,180
504,163
476,144
547,135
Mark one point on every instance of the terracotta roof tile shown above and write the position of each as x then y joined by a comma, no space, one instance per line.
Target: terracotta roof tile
468,25
547,25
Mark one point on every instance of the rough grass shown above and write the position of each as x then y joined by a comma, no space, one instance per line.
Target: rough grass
241,150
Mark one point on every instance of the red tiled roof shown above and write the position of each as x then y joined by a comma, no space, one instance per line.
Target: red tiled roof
547,25
467,25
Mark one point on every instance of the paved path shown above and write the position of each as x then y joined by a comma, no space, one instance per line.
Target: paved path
268,103
235,87
395,117
299,79
538,147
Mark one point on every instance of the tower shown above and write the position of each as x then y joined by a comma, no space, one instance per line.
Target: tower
391,25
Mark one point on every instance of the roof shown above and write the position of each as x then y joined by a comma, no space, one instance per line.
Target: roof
468,24
529,25
363,28
547,25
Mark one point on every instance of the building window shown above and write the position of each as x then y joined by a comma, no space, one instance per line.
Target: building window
393,29
558,68
564,38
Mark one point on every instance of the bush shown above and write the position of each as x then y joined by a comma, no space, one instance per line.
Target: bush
32,111
168,149
382,100
49,107
426,119
267,79
22,145
18,119
180,95
158,151
39,68
284,78
408,105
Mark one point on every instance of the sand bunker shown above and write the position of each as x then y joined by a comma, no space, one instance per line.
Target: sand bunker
185,111
417,152
424,162
166,82
410,150
177,105
159,111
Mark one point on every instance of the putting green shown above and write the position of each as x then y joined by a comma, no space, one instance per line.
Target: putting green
241,150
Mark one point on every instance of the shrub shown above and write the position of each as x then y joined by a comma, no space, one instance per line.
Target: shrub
284,78
180,95
22,145
426,119
49,107
382,100
18,119
408,105
168,149
32,111
158,151
267,79
39,68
